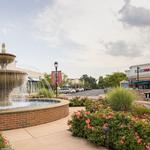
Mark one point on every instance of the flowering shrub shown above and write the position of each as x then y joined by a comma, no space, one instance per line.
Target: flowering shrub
95,105
3,142
121,99
141,111
125,130
77,101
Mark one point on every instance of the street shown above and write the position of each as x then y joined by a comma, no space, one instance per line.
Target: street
95,92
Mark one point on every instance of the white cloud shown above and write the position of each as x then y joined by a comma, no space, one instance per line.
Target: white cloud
121,48
82,29
135,16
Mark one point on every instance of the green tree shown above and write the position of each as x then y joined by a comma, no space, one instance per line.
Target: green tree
101,83
114,79
88,81
65,80
45,82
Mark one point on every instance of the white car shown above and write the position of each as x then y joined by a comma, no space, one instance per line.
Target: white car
80,89
72,90
67,90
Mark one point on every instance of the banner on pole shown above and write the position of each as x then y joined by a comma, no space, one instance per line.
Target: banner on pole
53,77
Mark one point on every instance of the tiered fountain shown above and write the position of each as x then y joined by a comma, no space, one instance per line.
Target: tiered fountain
29,112
9,79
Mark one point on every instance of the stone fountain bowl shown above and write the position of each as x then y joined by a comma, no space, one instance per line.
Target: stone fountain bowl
6,58
10,79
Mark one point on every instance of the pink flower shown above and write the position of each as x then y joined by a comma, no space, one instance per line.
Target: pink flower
121,141
87,112
139,141
109,116
87,121
147,145
89,126
105,125
6,142
78,114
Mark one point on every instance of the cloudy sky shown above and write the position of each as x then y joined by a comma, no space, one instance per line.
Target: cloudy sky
96,37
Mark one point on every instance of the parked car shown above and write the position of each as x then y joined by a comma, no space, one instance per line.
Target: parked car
66,90
71,90
79,89
87,88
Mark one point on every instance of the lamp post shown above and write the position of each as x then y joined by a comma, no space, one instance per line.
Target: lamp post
138,68
56,77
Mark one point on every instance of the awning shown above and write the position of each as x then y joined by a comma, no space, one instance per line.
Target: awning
33,79
140,82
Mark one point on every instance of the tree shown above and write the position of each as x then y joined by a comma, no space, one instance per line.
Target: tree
101,82
114,79
65,80
88,82
46,81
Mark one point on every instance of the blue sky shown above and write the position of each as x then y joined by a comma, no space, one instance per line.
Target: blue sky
85,36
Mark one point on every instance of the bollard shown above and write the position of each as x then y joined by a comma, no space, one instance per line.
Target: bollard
106,131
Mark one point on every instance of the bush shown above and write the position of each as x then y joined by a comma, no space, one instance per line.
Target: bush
125,131
78,102
95,105
121,99
141,111
3,142
44,93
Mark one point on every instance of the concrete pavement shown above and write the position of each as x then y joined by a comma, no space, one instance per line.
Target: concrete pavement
50,136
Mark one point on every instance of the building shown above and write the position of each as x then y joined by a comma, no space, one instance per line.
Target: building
139,76
33,78
76,83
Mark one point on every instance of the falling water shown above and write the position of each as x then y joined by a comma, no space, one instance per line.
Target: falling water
9,79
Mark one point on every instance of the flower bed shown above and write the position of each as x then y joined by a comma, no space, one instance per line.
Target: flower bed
3,142
115,122
118,130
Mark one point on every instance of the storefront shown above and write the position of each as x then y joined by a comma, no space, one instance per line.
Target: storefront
139,76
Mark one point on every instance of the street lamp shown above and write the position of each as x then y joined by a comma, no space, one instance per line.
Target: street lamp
56,79
138,68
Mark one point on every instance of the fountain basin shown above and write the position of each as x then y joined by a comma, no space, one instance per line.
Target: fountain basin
34,115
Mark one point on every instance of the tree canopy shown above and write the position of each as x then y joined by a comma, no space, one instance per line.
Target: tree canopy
111,80
88,81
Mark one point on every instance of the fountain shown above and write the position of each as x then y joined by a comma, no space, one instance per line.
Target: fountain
9,79
29,112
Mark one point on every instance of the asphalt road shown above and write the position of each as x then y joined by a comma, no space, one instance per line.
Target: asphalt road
95,92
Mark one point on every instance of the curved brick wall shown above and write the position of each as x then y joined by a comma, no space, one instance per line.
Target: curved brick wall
30,117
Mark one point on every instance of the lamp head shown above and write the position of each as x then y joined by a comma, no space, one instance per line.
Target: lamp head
56,64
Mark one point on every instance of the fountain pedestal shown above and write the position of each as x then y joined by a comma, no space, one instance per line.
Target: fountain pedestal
9,79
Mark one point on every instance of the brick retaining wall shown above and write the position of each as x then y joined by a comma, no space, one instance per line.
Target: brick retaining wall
21,119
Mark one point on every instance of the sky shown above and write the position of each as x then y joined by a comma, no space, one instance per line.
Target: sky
94,37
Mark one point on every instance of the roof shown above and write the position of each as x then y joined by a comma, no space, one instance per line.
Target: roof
124,81
33,79
139,65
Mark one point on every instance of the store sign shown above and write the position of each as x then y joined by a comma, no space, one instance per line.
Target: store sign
146,70
56,76
143,70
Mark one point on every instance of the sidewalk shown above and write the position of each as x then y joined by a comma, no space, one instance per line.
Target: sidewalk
50,136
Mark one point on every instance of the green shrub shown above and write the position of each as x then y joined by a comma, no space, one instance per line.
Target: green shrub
121,99
3,142
141,111
45,93
95,105
125,131
77,101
